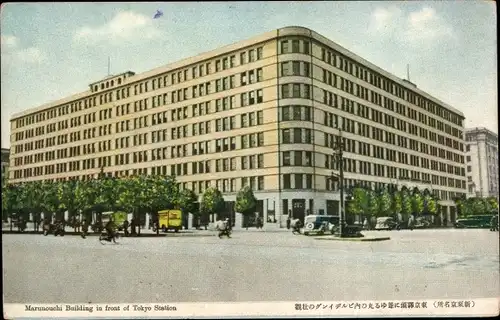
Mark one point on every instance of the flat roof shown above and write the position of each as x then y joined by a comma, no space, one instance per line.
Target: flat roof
289,30
478,130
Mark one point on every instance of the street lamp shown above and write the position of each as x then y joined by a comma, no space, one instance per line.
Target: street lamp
339,155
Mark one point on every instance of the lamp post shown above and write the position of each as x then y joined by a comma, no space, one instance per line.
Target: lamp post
339,154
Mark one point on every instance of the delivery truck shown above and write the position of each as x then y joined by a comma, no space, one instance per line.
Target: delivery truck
170,220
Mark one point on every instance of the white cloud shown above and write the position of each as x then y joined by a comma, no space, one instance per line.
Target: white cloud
383,19
126,25
9,42
12,53
426,25
417,28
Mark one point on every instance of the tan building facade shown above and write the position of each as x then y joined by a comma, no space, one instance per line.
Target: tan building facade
262,112
482,162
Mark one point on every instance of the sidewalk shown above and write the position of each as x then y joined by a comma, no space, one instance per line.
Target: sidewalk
144,233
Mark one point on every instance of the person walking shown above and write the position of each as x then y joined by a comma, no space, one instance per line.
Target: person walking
85,228
125,228
411,222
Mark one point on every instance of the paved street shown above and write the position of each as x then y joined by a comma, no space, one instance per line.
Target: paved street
252,266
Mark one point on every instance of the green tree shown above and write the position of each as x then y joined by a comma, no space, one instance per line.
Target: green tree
462,206
10,198
477,206
432,205
385,203
50,202
245,203
406,203
373,203
493,203
65,193
396,202
359,203
212,201
187,201
417,203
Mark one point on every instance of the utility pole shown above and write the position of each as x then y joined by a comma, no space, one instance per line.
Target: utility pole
339,154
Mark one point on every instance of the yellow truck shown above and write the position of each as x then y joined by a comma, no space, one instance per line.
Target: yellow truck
170,220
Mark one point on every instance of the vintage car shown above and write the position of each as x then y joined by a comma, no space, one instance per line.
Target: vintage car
479,221
386,223
320,224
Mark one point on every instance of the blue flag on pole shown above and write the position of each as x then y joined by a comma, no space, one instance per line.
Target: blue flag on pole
158,14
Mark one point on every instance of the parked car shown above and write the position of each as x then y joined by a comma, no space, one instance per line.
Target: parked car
386,223
479,221
320,224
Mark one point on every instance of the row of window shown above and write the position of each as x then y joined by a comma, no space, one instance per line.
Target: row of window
247,56
363,73
359,91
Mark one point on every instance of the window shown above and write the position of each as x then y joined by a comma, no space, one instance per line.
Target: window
286,181
286,136
306,47
298,181
285,68
286,158
243,58
259,53
284,46
285,91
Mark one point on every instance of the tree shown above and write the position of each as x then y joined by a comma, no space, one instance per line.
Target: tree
477,206
50,202
212,201
430,204
359,203
10,198
417,202
373,203
462,206
245,203
406,203
65,192
396,202
493,203
385,203
187,201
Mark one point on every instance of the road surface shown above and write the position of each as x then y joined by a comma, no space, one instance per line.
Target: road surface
251,266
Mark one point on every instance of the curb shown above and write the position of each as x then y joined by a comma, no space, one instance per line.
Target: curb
353,239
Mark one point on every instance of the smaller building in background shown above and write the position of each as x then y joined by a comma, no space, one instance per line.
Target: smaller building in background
482,162
5,162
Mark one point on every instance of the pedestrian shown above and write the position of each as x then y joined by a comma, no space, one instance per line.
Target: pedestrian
85,228
411,222
288,222
494,223
125,228
37,223
445,222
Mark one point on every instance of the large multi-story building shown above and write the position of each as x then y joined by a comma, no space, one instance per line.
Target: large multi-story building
5,162
264,112
482,162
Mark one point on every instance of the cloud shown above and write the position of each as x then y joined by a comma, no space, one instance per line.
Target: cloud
9,42
12,53
126,25
422,27
426,25
383,18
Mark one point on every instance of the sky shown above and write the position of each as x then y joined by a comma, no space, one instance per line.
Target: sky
50,51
